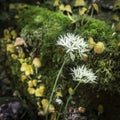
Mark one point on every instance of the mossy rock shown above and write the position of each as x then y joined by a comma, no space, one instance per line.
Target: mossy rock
41,28
40,23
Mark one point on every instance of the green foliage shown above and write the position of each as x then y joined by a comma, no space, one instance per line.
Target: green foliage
95,28
116,5
105,64
41,28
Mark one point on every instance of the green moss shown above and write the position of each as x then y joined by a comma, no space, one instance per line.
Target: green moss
38,17
97,29
41,27
51,23
28,16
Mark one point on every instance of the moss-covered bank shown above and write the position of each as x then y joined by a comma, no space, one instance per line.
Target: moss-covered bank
41,27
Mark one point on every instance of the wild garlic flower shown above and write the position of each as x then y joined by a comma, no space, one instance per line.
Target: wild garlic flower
83,75
74,44
58,100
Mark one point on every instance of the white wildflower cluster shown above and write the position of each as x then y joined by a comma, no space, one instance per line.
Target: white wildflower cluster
73,44
83,75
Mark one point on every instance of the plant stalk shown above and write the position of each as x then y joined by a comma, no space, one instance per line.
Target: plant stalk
69,98
54,87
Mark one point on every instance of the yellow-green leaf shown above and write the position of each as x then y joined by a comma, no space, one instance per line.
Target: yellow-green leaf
116,5
11,6
91,42
56,3
68,8
61,7
54,116
95,6
79,3
115,18
82,10
117,27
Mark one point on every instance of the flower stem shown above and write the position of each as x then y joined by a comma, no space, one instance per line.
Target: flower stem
59,112
76,86
54,87
69,98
